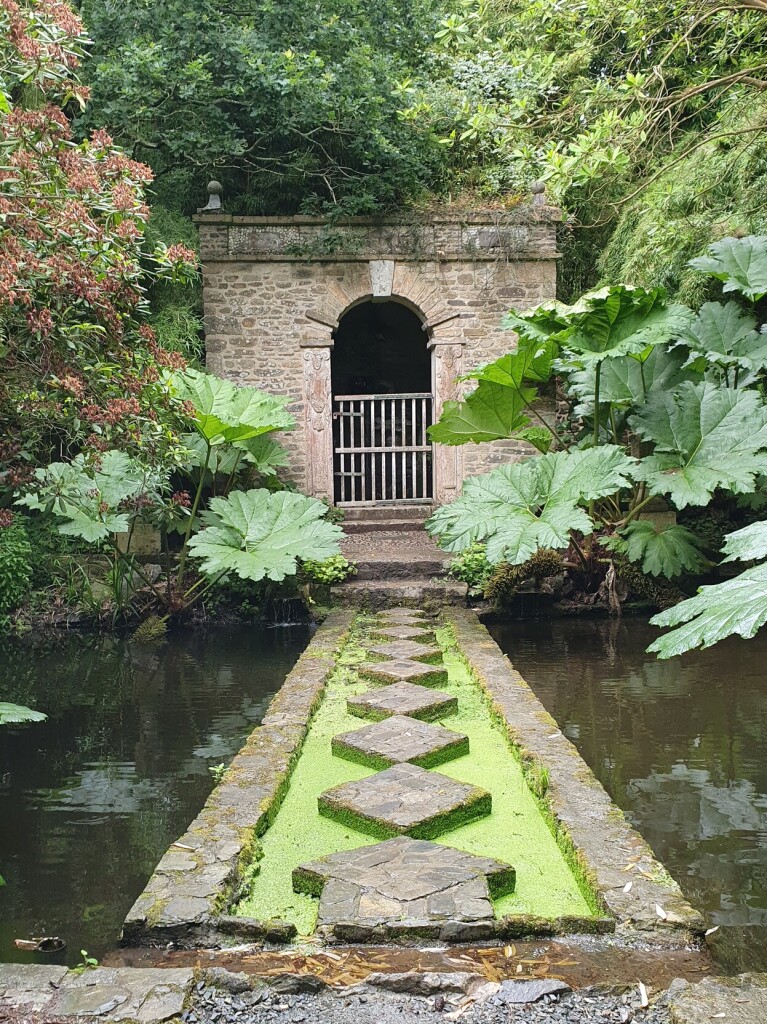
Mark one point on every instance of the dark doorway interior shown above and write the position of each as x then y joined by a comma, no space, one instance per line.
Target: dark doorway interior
380,349
382,407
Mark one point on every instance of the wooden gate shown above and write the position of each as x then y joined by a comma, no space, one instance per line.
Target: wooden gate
381,449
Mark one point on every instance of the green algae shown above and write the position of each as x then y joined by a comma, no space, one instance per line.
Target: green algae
515,832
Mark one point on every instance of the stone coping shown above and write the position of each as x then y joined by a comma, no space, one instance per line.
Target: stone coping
140,995
524,212
604,847
196,882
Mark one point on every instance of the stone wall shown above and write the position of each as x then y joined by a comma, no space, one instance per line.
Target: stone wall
275,289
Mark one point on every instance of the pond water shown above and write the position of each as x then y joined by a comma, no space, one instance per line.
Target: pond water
90,799
680,746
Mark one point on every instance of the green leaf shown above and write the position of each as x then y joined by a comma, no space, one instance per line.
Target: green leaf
227,413
746,545
626,380
258,534
705,437
724,334
667,552
533,504
16,714
741,263
264,453
496,408
87,498
735,606
615,321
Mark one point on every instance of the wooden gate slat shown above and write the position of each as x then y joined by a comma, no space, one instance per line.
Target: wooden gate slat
381,448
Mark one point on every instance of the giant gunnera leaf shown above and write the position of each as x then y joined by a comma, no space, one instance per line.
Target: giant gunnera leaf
614,321
522,507
737,606
257,534
87,497
498,406
705,437
225,412
17,714
668,551
741,263
725,334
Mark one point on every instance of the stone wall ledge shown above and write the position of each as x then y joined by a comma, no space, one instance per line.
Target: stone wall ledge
144,995
607,849
523,213
197,880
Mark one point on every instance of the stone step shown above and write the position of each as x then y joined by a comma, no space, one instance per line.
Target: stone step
376,513
400,569
415,593
392,525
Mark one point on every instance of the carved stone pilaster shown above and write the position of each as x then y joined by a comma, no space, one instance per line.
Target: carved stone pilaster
318,422
448,461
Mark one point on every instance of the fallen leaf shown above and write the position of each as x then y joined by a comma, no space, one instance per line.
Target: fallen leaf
661,912
712,930
627,886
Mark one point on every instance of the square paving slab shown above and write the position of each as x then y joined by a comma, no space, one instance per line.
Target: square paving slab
402,699
404,885
400,739
405,800
403,670
404,649
402,613
422,634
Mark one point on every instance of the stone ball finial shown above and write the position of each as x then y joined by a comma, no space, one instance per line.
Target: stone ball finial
538,189
215,191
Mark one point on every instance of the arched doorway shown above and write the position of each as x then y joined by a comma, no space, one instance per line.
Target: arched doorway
382,406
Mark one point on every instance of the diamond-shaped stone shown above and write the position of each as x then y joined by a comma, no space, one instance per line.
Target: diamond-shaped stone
405,800
402,613
404,649
402,699
405,884
405,633
402,669
400,739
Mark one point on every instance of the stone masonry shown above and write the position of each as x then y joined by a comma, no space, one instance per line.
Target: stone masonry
275,289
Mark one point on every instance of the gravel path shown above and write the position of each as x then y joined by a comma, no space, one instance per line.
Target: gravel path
212,1006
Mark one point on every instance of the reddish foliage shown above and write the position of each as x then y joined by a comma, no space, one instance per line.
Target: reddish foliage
78,366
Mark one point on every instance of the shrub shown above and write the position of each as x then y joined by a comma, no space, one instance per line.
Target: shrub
331,570
15,563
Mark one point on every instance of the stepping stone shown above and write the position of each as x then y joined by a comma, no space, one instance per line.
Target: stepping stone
400,739
402,670
405,633
404,885
405,800
402,613
404,649
402,699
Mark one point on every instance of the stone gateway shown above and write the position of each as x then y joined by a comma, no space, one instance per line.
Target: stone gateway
366,325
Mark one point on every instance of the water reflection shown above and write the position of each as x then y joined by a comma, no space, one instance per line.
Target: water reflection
679,745
90,799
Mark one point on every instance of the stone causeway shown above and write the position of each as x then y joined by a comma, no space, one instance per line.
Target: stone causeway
407,883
